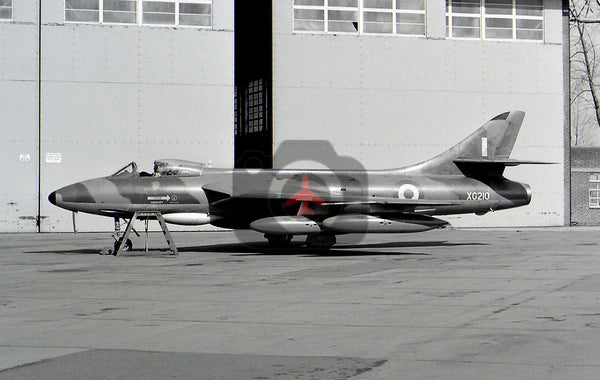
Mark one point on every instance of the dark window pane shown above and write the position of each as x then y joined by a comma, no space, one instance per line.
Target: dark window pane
498,33
414,5
309,2
300,25
159,7
198,9
82,4
411,29
5,13
83,16
385,28
119,5
119,17
385,4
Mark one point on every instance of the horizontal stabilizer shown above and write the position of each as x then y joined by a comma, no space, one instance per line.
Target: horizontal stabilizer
484,168
505,162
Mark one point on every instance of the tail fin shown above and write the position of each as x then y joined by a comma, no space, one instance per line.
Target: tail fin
485,152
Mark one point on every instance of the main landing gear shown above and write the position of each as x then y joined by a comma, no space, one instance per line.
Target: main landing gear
279,241
323,240
320,241
122,241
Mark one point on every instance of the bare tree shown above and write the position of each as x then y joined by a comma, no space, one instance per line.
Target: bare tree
585,93
581,123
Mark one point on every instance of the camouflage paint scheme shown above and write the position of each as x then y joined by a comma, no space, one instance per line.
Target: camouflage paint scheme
468,178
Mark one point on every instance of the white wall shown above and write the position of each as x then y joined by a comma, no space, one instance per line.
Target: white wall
390,101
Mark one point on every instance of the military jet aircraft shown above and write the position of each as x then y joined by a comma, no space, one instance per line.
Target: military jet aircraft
320,204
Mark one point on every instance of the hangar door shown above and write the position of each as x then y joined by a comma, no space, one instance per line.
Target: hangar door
253,84
19,118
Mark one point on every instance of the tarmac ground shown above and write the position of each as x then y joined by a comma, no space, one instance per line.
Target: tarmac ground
453,303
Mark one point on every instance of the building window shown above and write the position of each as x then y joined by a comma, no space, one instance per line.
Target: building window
119,11
326,16
594,195
236,124
196,13
158,13
404,17
495,19
255,106
5,9
82,10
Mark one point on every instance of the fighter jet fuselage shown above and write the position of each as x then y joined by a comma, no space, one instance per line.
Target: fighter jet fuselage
468,178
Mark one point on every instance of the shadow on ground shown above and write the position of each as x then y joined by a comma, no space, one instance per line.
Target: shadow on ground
296,248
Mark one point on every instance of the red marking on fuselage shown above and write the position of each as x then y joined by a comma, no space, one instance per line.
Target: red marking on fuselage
304,196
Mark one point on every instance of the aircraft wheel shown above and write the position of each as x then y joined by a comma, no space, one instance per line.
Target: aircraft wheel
279,240
107,250
322,241
127,246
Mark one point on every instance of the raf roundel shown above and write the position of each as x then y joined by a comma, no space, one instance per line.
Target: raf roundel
408,191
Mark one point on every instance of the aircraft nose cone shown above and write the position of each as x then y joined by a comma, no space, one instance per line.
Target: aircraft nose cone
52,197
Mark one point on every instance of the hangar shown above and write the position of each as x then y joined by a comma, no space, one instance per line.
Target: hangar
89,85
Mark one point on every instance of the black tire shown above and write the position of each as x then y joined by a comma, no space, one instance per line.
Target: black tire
279,241
320,241
127,246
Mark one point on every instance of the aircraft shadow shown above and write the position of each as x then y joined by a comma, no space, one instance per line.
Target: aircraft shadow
238,249
245,250
405,244
86,251
155,252
298,248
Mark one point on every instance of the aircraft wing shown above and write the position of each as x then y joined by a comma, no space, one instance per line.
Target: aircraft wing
335,199
394,201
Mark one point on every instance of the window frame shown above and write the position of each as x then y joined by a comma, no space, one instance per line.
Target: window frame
326,8
256,107
360,9
594,179
139,15
483,17
395,11
12,12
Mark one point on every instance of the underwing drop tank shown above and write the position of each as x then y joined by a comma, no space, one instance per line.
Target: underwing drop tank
360,223
188,218
284,225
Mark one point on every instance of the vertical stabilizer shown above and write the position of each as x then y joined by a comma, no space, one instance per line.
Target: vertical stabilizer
494,141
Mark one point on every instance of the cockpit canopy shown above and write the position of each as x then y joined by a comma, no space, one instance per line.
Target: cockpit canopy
163,167
180,168
129,170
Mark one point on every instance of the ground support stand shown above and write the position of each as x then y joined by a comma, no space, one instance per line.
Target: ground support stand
123,243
